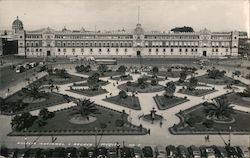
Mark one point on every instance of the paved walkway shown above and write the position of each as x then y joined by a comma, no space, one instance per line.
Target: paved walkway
159,135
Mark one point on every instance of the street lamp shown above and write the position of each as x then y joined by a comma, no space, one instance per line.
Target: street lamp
229,140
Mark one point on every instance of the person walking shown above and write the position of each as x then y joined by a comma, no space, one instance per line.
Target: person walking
149,131
161,123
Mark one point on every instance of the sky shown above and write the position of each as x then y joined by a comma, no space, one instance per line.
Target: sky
158,15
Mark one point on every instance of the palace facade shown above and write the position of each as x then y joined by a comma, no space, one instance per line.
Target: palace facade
66,43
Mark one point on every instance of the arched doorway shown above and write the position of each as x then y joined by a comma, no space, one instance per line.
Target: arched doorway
204,53
48,53
138,53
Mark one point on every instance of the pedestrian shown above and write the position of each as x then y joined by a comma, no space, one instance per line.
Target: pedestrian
208,139
161,123
116,82
57,88
149,131
205,137
8,90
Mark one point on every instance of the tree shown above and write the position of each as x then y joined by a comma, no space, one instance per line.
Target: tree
154,82
61,73
23,121
85,108
183,76
215,73
155,70
16,106
123,94
183,29
220,109
102,68
141,81
93,81
193,82
121,69
3,104
45,114
87,68
246,92
170,89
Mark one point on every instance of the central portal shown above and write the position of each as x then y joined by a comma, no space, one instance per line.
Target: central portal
138,53
48,53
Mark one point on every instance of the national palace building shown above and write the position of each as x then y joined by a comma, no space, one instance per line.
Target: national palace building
138,42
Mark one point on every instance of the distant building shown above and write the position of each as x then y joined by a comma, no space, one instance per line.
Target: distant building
8,46
138,42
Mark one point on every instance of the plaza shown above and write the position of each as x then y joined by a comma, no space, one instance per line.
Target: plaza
160,134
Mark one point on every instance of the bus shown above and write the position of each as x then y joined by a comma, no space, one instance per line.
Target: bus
19,68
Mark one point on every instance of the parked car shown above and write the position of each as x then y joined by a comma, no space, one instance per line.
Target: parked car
208,152
82,152
147,151
171,151
91,152
232,153
220,152
182,151
101,152
160,151
138,152
127,152
112,152
243,151
19,69
194,151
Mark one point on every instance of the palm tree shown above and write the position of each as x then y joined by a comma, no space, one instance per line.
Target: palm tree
170,89
155,70
220,109
85,108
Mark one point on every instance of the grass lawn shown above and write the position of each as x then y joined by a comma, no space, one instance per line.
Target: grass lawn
172,74
122,78
100,83
134,87
105,74
220,81
131,102
89,92
56,80
197,92
164,103
235,98
239,125
108,122
53,99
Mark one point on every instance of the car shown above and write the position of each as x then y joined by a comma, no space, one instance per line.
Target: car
82,152
182,151
91,152
243,151
231,152
160,151
138,152
207,152
127,152
112,152
101,152
171,151
147,151
220,151
194,151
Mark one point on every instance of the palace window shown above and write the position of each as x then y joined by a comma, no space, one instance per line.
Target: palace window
64,50
180,50
125,50
216,50
73,50
59,50
116,49
164,50
100,50
156,50
149,50
108,50
91,50
82,50
226,50
171,50
186,50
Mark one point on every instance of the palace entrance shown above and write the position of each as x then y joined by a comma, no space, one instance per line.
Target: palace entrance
48,53
204,53
138,53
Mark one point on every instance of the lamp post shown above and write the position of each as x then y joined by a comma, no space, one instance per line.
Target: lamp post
229,140
96,137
